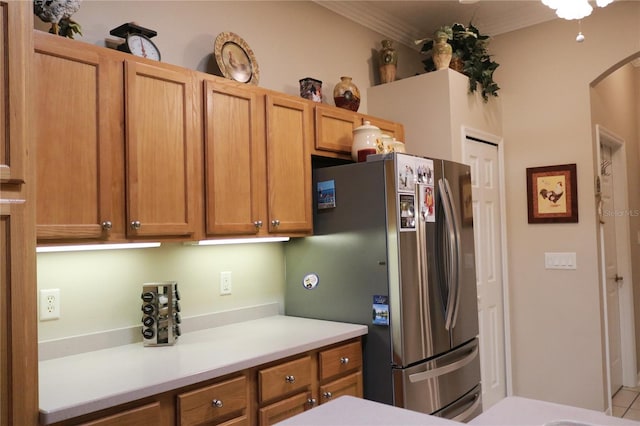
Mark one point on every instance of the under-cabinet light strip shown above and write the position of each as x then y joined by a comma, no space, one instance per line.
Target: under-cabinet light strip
241,241
92,247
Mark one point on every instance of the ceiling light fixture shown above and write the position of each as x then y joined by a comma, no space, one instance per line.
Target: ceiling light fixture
573,9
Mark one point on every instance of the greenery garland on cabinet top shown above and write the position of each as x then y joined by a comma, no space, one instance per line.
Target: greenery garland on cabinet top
470,52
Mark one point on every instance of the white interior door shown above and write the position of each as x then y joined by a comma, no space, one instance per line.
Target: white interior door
612,279
484,161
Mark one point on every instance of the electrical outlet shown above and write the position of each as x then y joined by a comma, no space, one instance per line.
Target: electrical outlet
225,283
49,304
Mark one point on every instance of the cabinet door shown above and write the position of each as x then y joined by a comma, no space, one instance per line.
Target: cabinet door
348,385
147,415
284,409
289,132
334,129
234,160
162,147
213,403
14,55
76,125
18,329
390,128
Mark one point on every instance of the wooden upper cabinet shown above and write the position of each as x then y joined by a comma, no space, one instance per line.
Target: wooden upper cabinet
334,129
289,134
15,55
163,151
78,132
390,128
234,159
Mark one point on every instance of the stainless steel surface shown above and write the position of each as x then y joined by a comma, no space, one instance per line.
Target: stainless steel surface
426,357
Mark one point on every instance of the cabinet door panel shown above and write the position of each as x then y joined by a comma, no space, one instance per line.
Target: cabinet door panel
288,164
234,153
284,409
147,415
15,54
198,407
334,129
348,385
73,162
161,144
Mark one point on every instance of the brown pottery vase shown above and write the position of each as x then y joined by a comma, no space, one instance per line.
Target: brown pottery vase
346,94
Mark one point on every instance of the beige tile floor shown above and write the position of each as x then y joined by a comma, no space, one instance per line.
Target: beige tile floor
626,403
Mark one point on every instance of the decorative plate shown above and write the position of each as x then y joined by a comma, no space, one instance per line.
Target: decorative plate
235,58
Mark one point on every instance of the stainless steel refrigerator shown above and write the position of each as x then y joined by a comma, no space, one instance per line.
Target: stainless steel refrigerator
393,249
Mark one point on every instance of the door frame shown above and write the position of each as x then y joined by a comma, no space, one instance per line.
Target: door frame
499,142
623,251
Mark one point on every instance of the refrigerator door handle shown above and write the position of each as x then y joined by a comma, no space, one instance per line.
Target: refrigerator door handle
464,416
422,270
457,263
454,248
440,371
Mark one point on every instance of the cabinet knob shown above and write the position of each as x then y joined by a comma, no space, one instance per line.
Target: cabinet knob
344,360
327,395
311,401
290,379
135,224
107,225
258,224
275,222
216,403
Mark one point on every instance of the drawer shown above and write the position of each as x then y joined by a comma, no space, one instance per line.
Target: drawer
282,410
347,385
284,378
212,402
147,415
340,360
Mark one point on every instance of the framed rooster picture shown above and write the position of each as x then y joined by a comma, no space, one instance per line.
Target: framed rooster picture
552,194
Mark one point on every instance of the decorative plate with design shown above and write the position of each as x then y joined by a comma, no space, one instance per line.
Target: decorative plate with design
235,58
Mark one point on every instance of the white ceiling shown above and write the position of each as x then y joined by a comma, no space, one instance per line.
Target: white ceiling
407,21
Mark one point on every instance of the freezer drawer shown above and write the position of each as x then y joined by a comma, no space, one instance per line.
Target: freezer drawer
432,385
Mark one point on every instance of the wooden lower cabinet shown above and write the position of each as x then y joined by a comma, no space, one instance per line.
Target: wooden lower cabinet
214,404
348,385
262,395
288,407
147,415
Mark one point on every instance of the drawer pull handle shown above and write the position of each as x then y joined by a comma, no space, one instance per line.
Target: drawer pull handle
216,403
311,401
290,379
136,225
327,395
107,225
344,360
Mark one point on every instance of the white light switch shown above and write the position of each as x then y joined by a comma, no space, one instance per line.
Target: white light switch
560,260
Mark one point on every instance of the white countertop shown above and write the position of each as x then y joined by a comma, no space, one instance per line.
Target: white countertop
517,411
78,384
351,411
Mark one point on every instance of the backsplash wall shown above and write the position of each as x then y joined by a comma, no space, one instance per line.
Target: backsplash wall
100,290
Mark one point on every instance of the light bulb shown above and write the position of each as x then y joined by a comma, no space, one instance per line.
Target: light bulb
580,37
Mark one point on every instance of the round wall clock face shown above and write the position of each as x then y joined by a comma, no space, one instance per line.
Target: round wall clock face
140,45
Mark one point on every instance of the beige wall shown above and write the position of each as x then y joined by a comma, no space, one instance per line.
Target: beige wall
290,39
615,105
545,76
